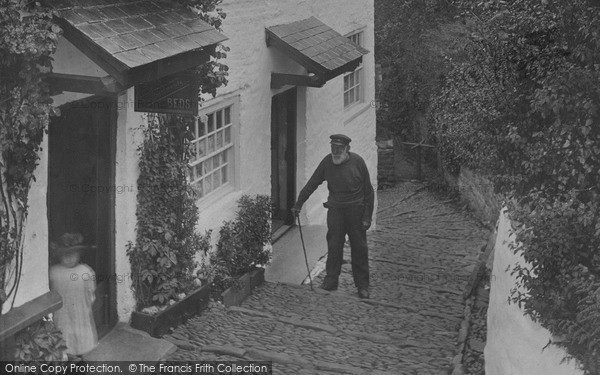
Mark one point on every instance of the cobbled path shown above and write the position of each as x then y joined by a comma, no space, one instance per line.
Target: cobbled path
421,257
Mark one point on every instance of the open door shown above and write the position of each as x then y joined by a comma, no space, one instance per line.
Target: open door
81,191
283,157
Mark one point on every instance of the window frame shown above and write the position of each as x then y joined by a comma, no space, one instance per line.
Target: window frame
230,163
357,74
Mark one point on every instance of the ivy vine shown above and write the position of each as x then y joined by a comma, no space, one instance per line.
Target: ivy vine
28,37
163,257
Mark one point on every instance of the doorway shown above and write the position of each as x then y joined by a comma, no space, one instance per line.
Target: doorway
81,190
283,157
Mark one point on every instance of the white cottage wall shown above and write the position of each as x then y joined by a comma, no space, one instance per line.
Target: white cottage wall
130,135
34,276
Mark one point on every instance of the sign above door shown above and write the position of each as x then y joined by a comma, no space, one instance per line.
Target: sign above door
177,94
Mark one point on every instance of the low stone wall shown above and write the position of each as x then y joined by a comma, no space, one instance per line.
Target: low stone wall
515,344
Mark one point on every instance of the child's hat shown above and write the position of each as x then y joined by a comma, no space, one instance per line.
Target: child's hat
67,243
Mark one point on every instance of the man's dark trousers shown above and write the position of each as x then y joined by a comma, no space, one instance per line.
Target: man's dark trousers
342,221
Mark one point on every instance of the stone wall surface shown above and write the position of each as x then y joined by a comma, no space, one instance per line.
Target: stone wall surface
515,344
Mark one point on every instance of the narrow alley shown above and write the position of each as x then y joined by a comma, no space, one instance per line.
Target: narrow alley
421,257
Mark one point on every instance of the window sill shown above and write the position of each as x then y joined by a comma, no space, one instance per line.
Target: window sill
354,111
207,201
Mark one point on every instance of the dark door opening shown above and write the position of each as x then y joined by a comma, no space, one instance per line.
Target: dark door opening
81,191
283,157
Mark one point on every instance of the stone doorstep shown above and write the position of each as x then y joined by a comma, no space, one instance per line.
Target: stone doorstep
124,343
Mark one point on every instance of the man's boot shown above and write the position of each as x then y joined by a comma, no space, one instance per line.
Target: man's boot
329,284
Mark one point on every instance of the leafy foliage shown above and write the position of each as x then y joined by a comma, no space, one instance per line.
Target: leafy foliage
41,341
241,246
523,108
27,39
213,73
413,39
163,258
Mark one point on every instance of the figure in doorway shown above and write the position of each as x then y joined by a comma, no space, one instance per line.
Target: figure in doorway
75,282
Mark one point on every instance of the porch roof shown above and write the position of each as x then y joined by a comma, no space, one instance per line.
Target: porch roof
137,41
316,46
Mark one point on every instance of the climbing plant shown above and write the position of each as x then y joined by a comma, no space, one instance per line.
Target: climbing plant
163,256
27,39
524,109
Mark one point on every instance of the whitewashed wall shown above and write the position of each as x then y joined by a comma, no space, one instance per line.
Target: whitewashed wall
514,342
34,275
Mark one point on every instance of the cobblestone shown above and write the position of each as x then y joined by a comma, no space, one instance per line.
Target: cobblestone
421,257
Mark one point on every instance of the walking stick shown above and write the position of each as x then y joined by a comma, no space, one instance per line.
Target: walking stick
305,257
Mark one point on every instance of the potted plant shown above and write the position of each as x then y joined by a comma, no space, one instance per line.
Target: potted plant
167,290
236,266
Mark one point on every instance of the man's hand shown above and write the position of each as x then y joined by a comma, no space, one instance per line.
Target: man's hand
295,211
366,224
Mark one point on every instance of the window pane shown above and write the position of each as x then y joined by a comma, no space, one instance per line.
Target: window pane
228,135
208,187
224,156
211,143
211,122
220,139
191,173
227,115
346,80
199,170
201,148
198,187
193,152
217,179
201,129
346,99
224,174
216,161
219,119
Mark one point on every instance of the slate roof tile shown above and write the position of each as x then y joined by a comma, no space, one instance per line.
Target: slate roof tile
120,26
109,45
112,13
132,58
139,23
127,41
90,31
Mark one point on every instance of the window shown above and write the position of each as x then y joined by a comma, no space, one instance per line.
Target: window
211,162
352,81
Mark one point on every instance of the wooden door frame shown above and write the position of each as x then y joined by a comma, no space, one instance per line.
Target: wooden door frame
291,100
112,315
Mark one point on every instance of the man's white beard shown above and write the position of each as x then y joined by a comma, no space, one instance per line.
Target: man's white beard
339,159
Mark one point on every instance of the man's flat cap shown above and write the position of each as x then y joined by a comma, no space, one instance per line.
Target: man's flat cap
340,139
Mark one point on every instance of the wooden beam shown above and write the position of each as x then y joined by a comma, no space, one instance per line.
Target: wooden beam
27,314
278,80
60,82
